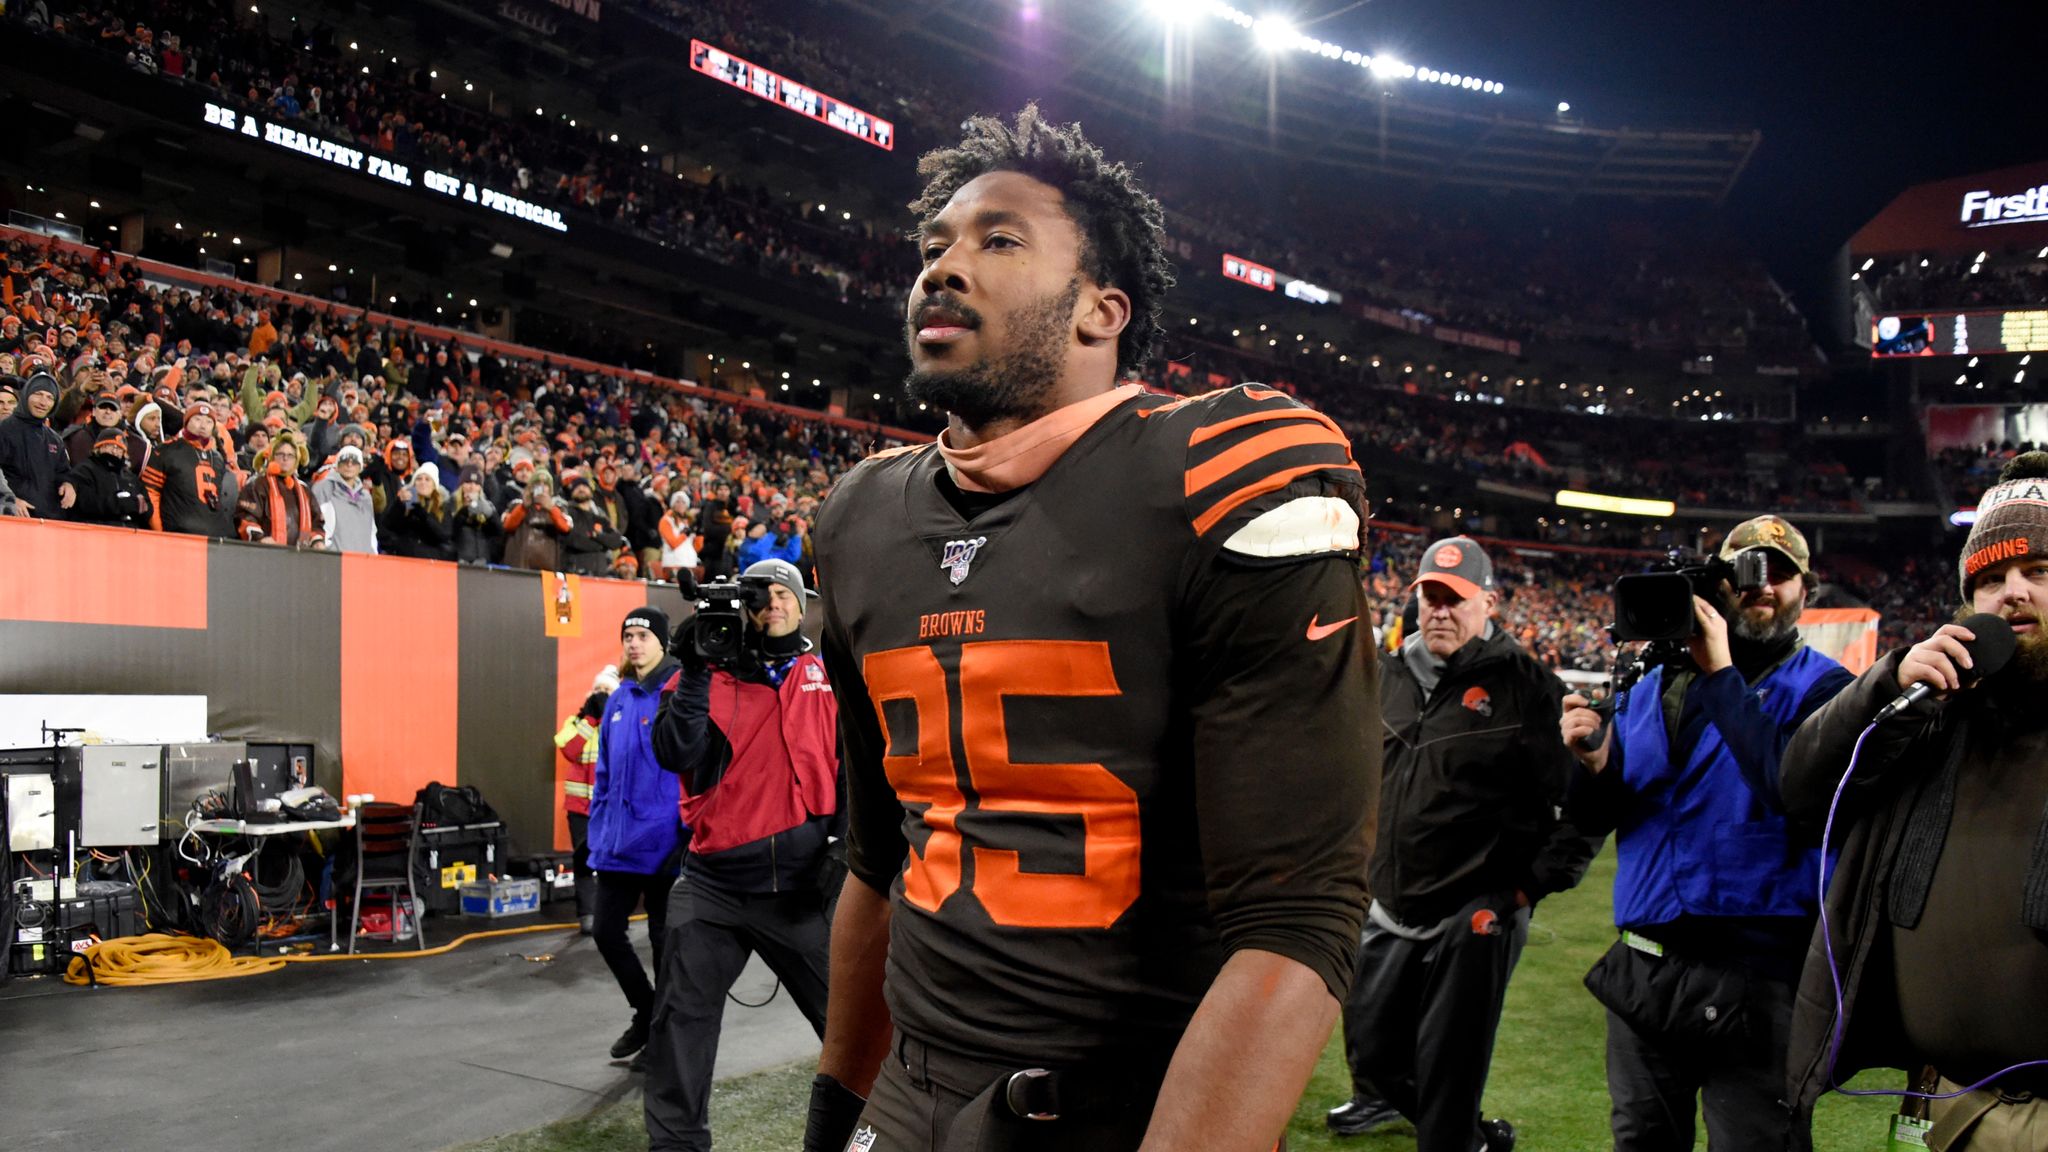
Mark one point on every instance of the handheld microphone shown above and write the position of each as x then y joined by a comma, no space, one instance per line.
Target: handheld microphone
1989,652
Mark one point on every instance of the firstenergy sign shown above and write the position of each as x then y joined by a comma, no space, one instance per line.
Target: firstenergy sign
370,164
1983,210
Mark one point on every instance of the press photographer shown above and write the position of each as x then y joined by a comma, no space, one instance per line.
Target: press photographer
1715,890
751,727
1938,902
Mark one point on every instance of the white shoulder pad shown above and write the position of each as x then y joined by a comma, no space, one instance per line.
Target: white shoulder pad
1304,526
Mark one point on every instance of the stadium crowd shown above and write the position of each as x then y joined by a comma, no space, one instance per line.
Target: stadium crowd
2011,280
1649,285
343,429
281,420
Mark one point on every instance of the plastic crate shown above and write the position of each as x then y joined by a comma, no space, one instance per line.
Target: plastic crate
501,898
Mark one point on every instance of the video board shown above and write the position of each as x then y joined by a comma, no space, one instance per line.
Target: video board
719,64
1973,333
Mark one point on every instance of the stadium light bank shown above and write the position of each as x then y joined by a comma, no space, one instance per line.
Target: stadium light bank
1276,34
1623,505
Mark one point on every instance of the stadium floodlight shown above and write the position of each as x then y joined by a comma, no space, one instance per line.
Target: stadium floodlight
1621,505
1274,33
1563,107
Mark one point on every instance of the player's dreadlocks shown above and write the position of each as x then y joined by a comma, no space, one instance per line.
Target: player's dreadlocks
1123,229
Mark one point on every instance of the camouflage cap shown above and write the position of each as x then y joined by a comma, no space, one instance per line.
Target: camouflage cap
1773,532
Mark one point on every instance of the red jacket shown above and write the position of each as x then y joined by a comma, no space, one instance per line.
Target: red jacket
760,772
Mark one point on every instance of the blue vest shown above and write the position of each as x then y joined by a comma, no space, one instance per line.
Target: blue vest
1699,841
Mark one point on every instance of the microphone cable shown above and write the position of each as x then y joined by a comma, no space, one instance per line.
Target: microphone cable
1827,939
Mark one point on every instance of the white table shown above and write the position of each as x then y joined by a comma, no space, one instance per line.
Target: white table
254,828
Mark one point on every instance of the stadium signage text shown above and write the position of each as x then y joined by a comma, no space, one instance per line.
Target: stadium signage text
1303,290
1257,275
468,192
1983,210
721,65
279,136
369,163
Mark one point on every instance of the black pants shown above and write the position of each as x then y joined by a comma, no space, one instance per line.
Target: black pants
1654,1081
1420,1020
586,880
924,1099
618,894
711,932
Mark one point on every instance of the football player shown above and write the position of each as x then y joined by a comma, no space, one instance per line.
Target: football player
1108,703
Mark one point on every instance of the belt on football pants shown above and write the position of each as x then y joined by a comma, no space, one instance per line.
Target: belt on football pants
1028,1093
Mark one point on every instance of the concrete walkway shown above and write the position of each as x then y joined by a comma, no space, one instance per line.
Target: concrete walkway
389,1056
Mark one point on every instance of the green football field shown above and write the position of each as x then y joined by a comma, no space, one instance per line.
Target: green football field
1548,1076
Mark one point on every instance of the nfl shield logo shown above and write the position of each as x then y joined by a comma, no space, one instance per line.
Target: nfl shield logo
959,556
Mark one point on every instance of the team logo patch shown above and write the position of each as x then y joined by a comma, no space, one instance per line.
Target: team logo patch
1477,700
959,556
863,1139
1449,556
813,673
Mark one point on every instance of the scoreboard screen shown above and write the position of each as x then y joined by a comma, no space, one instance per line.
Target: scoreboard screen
719,64
1896,334
1256,275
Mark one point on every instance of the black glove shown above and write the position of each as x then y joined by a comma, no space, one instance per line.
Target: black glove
683,646
835,1109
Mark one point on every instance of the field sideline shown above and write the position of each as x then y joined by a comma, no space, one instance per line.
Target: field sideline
1548,1076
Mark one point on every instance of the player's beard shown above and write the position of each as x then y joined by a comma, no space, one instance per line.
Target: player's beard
1016,385
2030,656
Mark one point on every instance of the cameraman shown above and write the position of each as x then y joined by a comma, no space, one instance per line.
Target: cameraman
755,741
1714,894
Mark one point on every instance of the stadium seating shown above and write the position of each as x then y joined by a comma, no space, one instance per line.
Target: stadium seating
1654,291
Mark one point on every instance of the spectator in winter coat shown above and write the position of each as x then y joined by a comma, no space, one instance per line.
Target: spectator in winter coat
82,441
346,506
148,424
392,472
765,545
417,523
642,525
606,499
31,456
9,506
276,507
188,481
678,549
109,491
715,525
592,538
475,521
534,527
323,432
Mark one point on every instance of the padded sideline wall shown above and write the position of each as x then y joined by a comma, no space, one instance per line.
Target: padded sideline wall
397,671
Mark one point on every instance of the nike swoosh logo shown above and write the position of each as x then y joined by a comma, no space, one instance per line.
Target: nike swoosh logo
1318,631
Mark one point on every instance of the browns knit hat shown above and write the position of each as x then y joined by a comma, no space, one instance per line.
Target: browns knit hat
2012,518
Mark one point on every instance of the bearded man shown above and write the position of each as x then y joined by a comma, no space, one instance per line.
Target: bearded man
1938,902
1715,893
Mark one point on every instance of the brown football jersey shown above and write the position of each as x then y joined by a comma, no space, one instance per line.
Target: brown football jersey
1109,727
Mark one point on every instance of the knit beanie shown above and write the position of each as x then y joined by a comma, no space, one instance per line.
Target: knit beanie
2012,518
607,680
649,617
429,471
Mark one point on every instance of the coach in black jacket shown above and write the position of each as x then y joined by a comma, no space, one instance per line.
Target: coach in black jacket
1468,840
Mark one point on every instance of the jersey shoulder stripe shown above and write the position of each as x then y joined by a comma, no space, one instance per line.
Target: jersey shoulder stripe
1246,443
